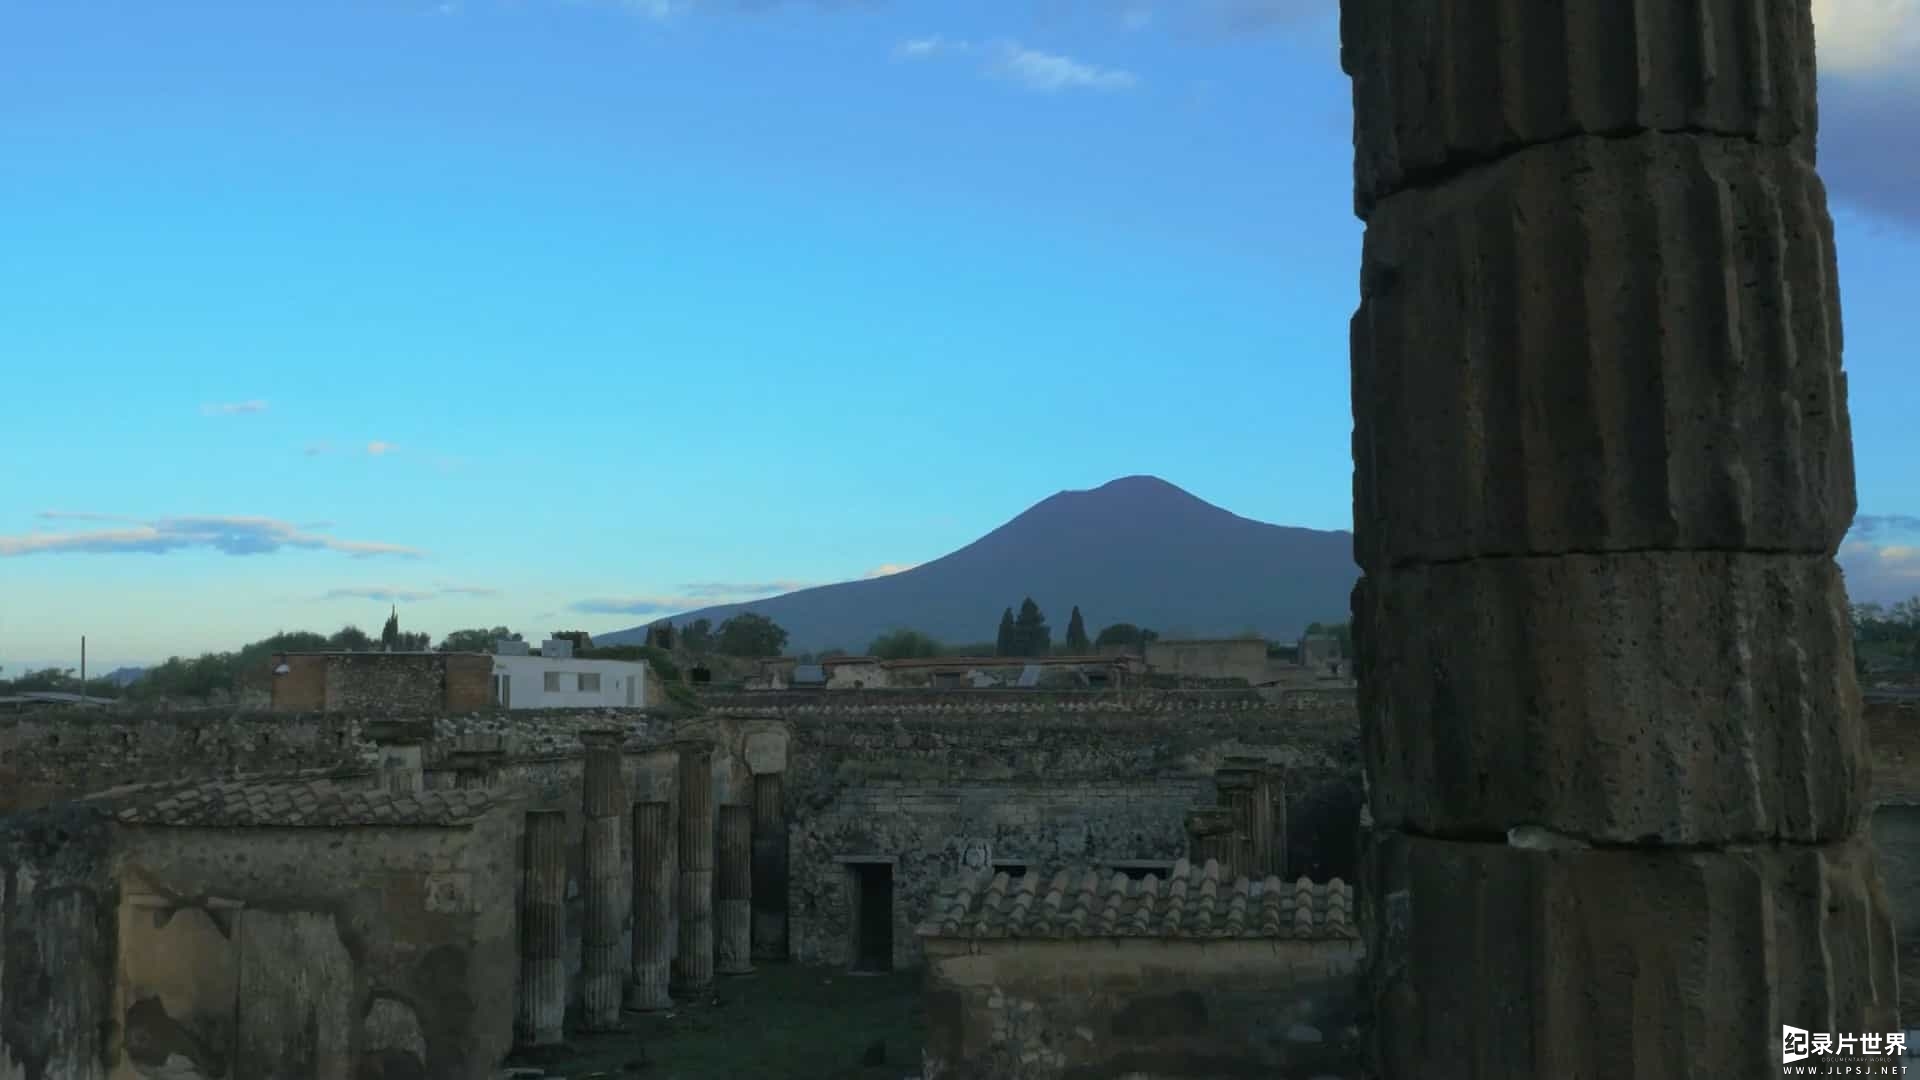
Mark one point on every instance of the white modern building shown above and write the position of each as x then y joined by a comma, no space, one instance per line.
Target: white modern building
556,680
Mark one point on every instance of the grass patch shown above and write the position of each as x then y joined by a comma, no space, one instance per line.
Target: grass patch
783,1022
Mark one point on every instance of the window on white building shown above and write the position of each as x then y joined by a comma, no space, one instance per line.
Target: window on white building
552,682
590,682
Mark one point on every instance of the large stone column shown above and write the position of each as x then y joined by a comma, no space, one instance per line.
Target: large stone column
693,960
1602,464
603,962
733,892
542,1001
655,861
769,868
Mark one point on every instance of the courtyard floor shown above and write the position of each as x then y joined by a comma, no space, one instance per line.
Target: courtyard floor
783,1022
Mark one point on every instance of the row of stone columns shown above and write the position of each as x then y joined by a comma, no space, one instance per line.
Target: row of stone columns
672,895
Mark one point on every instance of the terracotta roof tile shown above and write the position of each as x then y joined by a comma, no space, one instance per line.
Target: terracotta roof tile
290,801
1191,902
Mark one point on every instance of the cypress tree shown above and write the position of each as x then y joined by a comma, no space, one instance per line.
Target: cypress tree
1077,642
1004,644
1030,633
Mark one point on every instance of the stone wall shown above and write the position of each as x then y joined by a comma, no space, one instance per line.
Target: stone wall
301,688
1039,1010
1231,659
916,776
65,753
1036,779
57,902
62,754
373,952
407,682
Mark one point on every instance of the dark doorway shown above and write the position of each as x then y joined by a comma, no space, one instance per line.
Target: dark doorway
872,887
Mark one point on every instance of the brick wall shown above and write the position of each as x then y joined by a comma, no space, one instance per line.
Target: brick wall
386,682
304,686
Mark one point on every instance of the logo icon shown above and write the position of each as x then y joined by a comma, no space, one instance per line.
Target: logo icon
1794,1044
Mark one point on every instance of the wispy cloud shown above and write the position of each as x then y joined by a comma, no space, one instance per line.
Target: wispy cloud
636,605
230,535
1871,525
233,408
1012,62
1881,557
1862,36
715,590
378,448
1051,73
385,594
408,594
923,48
85,515
888,569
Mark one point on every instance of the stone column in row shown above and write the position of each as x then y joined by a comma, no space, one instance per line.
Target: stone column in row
1262,846
541,1006
603,946
655,862
1234,781
733,892
693,959
769,868
1602,465
1211,836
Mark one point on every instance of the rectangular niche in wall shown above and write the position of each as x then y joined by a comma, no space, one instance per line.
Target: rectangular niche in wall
869,913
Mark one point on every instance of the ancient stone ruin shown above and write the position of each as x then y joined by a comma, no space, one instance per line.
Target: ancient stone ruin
1616,783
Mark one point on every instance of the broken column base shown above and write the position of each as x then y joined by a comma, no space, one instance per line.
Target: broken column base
733,948
1496,962
648,990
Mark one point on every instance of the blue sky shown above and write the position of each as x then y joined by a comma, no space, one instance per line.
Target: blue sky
556,313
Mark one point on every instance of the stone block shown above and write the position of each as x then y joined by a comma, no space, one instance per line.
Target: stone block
1692,698
1444,85
1602,345
1496,963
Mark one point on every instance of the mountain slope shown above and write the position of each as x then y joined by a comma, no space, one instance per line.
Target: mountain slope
1136,550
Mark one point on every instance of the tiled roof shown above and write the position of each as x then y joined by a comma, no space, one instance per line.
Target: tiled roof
1192,902
291,801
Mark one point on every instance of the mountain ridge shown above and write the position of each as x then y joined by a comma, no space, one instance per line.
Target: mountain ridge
1137,549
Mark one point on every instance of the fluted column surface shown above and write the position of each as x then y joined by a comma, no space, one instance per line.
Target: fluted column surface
542,1001
693,959
1602,462
733,892
604,952
769,868
655,877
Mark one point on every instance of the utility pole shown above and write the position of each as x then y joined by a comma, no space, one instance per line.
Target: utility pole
83,665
